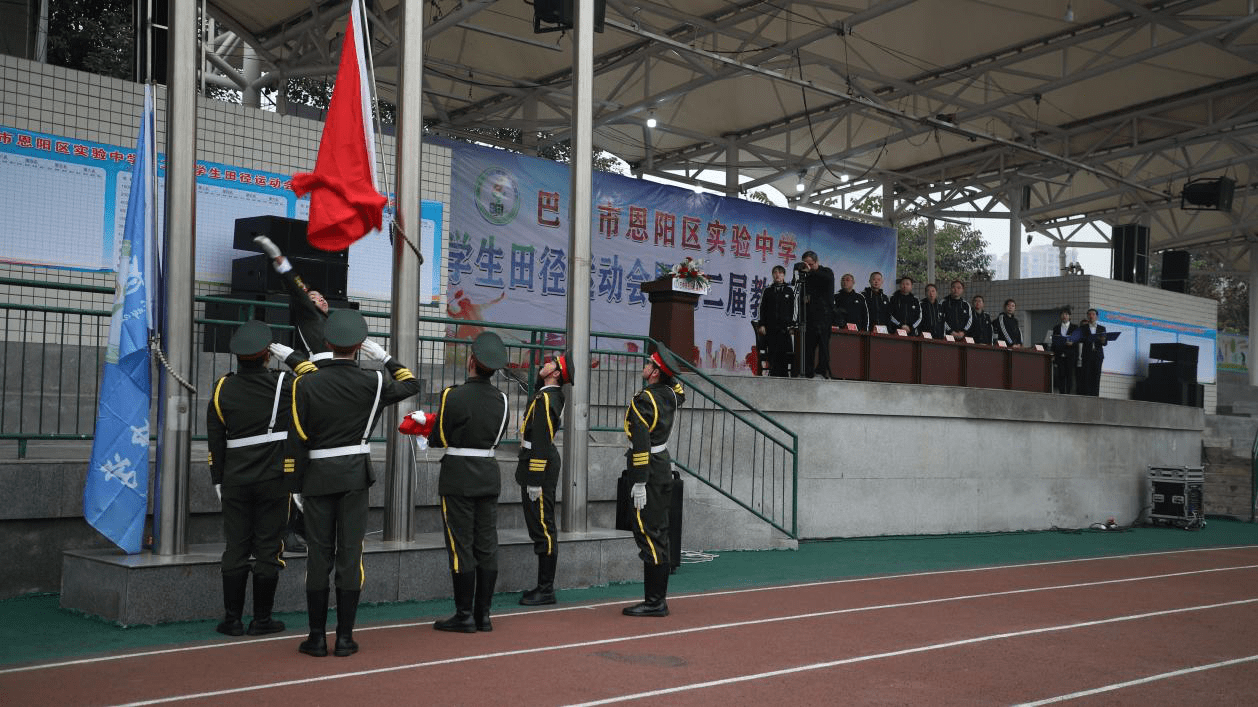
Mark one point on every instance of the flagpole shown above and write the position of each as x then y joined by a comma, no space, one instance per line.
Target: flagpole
399,503
175,401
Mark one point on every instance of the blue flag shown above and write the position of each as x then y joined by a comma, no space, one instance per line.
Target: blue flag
115,497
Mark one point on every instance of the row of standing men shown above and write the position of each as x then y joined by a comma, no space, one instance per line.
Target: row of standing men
330,407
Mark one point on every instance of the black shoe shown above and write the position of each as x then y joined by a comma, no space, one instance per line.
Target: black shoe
263,600
234,586
544,592
316,644
485,581
645,608
345,646
464,592
655,587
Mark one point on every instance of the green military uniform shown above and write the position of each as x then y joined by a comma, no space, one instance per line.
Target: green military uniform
246,425
333,411
648,424
470,421
308,320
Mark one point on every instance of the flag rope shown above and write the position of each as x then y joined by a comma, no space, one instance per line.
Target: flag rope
155,343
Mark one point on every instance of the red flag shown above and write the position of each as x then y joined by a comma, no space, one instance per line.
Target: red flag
345,204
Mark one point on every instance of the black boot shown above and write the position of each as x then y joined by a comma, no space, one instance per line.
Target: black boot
464,590
316,644
263,600
544,592
655,587
346,612
234,585
485,581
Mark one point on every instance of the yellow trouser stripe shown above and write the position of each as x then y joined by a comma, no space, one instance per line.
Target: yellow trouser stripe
362,571
449,536
642,529
541,514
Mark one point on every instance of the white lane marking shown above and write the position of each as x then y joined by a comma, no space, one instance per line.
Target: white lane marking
618,602
1139,681
699,629
903,652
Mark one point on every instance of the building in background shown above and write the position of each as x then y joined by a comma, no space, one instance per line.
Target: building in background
1039,261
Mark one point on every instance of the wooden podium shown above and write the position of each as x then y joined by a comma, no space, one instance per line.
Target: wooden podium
672,316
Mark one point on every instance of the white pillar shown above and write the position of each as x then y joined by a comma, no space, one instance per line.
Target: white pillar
930,252
1015,235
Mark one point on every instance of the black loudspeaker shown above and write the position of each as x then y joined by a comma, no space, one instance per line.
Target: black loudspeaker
1208,195
1186,353
1175,265
289,234
1130,243
560,15
255,274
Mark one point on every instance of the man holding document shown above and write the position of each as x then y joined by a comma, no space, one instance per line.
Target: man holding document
1092,340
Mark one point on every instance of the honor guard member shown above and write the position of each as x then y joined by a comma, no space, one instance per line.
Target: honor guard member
932,313
876,303
981,326
1065,352
469,424
307,308
648,424
1006,326
333,412
246,424
537,473
849,305
777,316
958,317
905,311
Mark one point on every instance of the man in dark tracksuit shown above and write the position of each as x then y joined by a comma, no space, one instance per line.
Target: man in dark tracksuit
1093,355
469,424
905,312
333,411
246,424
818,312
981,325
648,423
957,315
877,305
537,473
777,316
1006,326
932,314
850,306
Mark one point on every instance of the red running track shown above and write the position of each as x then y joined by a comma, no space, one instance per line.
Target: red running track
1165,628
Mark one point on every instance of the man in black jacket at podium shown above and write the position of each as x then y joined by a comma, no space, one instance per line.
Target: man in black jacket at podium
1065,352
1093,355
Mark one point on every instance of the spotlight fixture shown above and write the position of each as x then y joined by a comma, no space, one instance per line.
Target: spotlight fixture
799,185
843,177
1070,12
651,122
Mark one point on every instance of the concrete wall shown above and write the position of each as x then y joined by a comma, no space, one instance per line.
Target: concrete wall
886,459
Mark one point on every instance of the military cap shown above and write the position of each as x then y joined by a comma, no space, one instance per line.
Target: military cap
345,328
666,362
490,351
251,338
564,362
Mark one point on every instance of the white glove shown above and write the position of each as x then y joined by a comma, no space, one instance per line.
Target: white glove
297,500
281,351
375,352
268,246
218,491
639,496
535,492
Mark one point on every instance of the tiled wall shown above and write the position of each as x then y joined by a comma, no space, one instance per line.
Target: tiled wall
50,99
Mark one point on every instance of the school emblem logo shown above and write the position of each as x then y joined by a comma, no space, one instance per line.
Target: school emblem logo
497,196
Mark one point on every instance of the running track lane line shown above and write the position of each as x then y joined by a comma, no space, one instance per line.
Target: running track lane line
728,592
699,629
1138,681
903,652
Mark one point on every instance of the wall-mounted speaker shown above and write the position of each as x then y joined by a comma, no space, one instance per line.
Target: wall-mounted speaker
1130,243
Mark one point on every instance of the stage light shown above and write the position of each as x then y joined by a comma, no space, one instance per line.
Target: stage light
843,177
651,122
800,186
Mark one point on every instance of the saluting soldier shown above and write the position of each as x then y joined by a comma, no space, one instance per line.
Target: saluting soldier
537,473
333,412
470,422
247,423
648,424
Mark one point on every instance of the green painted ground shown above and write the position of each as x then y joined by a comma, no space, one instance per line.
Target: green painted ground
35,628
